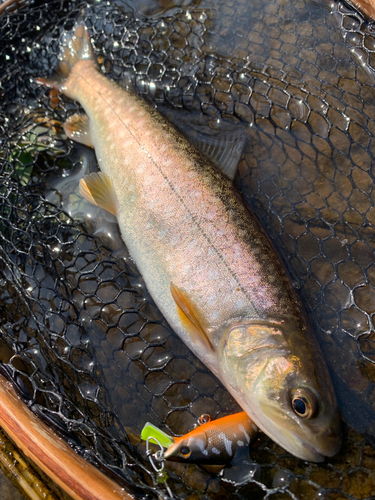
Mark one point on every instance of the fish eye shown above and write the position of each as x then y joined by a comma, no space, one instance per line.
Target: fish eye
185,451
304,403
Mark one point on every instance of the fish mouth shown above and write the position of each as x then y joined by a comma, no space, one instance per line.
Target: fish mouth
313,446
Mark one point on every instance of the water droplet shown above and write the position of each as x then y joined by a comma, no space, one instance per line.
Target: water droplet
280,479
360,55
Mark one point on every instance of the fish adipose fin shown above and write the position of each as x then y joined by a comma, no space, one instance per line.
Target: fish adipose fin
189,318
77,128
97,189
76,47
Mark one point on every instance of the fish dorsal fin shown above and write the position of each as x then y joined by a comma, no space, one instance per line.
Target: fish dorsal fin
223,143
224,150
97,189
77,128
189,318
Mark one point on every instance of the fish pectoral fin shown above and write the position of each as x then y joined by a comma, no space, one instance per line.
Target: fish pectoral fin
97,189
189,318
77,128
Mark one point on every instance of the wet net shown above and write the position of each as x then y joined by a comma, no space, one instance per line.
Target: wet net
81,340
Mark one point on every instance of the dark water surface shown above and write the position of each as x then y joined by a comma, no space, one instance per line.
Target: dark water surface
81,338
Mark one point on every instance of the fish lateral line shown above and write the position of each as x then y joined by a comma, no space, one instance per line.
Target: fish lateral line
254,387
178,195
77,129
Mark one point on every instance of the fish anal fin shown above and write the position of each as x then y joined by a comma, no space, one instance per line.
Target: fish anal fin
189,318
97,189
77,128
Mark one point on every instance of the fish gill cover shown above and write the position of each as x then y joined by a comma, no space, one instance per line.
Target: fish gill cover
81,339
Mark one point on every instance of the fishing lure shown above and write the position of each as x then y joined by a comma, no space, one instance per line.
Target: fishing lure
212,442
205,261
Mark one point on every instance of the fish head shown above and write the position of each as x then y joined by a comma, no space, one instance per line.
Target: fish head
278,376
192,447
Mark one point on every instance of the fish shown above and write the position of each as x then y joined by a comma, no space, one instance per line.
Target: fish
213,443
365,6
204,257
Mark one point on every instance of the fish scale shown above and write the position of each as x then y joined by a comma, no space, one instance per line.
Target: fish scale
332,308
170,191
226,296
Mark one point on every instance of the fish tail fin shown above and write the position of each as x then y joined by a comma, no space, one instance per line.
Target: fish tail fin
76,47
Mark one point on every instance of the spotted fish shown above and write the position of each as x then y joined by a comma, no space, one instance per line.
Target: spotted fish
205,260
215,442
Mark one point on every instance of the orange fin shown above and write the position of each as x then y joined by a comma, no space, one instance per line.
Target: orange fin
189,318
77,128
97,189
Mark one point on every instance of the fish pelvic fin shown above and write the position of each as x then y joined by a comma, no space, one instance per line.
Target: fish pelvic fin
76,47
97,189
189,318
77,128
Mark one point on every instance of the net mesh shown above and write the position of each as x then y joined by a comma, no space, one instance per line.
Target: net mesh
81,340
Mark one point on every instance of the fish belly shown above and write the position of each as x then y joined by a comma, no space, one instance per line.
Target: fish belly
179,217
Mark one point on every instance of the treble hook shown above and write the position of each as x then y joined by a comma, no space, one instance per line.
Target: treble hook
159,457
